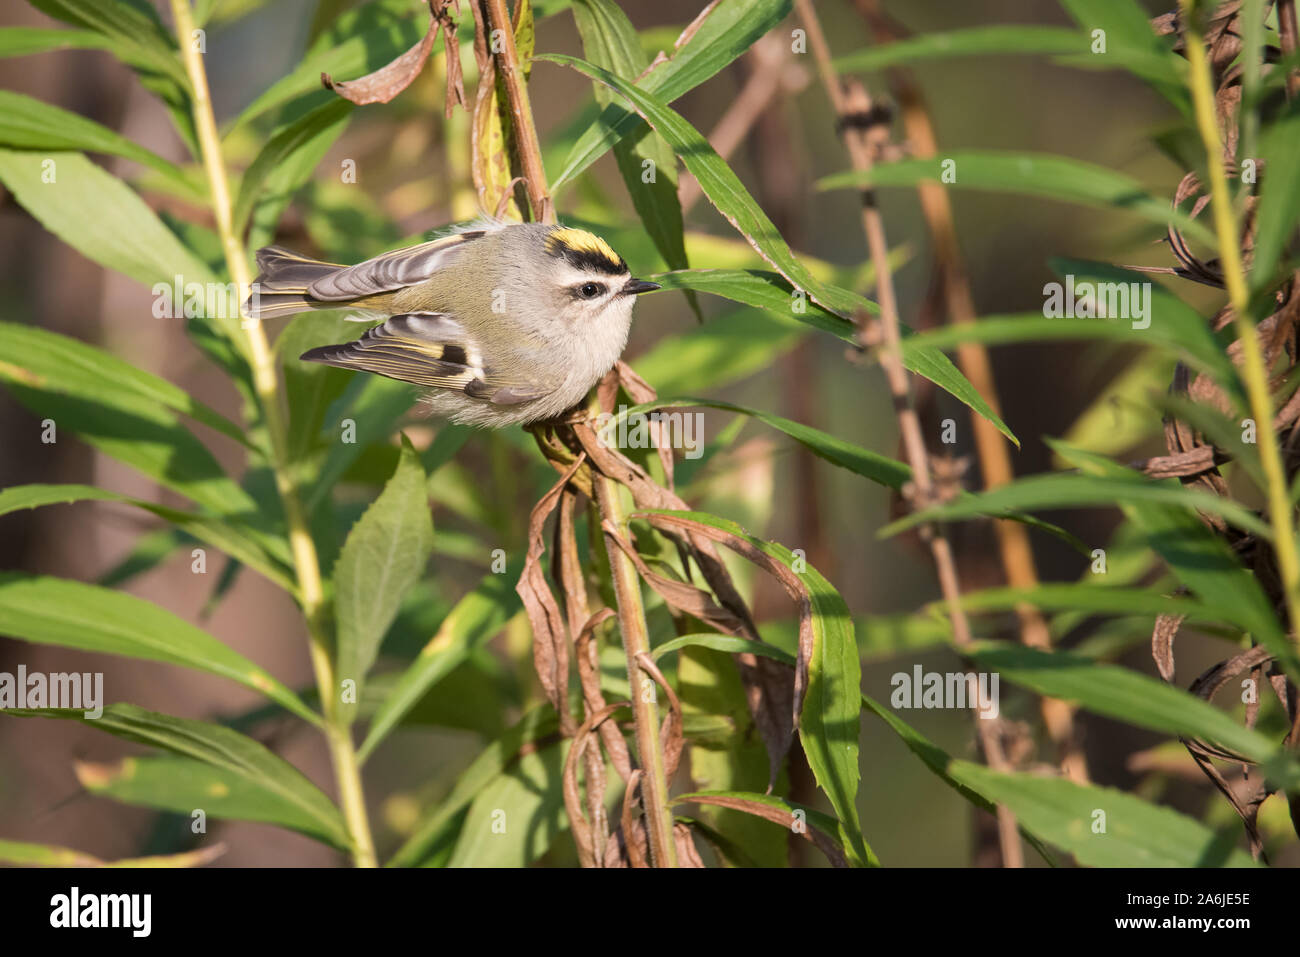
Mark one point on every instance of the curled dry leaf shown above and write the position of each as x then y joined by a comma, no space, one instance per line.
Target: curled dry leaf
670,734
594,699
620,852
392,78
583,835
550,636
777,815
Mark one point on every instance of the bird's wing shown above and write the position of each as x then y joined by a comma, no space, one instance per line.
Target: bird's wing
428,349
394,270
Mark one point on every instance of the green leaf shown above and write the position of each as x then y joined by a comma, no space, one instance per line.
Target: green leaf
1001,39
1081,491
723,350
728,643
231,536
609,40
311,388
248,762
378,405
21,41
1122,694
762,290
719,183
1200,559
529,799
21,853
138,37
52,362
1131,44
1095,599
1064,813
55,611
938,368
846,455
828,721
384,555
1029,174
182,784
729,30
1278,209
98,215
1137,834
360,41
287,162
822,822
30,124
439,827
475,619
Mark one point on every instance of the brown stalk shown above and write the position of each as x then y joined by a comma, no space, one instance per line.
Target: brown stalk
636,642
852,106
995,462
521,112
631,612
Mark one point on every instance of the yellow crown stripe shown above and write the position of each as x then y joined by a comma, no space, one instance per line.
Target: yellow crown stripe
579,240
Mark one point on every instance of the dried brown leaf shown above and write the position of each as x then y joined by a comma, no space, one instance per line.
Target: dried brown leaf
391,79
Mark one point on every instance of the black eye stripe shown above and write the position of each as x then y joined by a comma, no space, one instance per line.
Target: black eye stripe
454,354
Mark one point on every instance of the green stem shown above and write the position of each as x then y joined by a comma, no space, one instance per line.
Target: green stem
311,590
636,641
1254,371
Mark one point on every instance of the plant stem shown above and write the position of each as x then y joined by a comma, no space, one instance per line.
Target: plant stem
311,591
854,101
627,585
1253,370
1014,547
521,111
636,641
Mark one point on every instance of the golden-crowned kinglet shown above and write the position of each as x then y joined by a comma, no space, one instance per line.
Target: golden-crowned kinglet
504,323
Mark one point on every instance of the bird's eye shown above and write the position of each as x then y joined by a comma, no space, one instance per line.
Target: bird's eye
590,290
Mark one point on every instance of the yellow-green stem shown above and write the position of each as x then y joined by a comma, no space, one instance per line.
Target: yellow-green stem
636,641
1254,372
311,591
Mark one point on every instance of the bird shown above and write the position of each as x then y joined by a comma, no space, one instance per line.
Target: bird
502,323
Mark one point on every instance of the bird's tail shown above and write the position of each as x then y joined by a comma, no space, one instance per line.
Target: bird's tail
281,285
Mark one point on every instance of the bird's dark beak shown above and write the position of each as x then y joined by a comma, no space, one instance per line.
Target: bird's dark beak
634,287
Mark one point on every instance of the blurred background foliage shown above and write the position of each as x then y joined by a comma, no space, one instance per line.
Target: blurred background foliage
412,176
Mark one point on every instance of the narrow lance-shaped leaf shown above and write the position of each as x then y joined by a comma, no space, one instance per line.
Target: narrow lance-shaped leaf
646,162
31,124
236,539
102,218
70,614
864,462
1124,695
229,751
22,853
475,619
1080,491
1031,174
1000,39
438,827
828,672
384,555
724,33
48,360
1200,559
719,183
1279,196
1060,812
180,784
288,159
21,41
